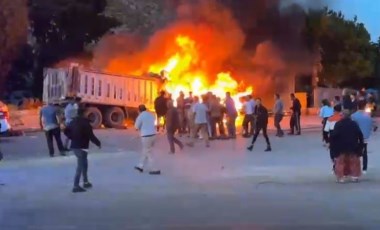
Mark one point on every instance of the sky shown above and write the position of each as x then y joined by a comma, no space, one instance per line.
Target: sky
367,11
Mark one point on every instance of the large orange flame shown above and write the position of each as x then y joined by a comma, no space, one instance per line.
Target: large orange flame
184,73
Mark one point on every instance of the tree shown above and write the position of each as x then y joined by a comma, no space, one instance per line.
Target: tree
136,15
62,29
13,34
376,63
347,53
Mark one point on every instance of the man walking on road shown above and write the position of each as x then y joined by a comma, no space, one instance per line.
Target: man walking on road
80,133
295,119
172,125
200,111
145,124
50,123
261,124
364,122
278,112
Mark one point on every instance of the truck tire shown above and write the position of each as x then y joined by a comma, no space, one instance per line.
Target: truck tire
95,117
114,117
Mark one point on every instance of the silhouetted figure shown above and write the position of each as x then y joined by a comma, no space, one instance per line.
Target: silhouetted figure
160,106
261,125
172,125
295,119
232,114
181,112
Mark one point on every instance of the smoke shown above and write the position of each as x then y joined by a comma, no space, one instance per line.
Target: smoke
211,26
259,41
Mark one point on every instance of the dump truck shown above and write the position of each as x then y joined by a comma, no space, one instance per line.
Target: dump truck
108,99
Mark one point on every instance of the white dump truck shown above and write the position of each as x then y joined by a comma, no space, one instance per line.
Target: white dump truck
108,98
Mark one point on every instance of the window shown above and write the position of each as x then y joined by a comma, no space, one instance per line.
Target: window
114,92
121,94
92,86
100,88
108,89
85,84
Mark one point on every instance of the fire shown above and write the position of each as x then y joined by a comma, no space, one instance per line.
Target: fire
185,73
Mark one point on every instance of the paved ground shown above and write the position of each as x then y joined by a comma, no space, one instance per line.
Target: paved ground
28,121
224,187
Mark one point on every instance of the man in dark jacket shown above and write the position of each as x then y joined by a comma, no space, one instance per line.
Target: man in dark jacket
172,125
354,101
160,106
80,132
261,124
348,141
295,119
347,102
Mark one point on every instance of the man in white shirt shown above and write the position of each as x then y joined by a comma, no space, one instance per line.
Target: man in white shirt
145,123
200,111
248,121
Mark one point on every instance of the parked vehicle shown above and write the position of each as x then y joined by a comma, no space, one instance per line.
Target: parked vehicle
4,118
108,98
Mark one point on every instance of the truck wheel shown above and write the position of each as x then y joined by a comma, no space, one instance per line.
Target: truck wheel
95,116
114,117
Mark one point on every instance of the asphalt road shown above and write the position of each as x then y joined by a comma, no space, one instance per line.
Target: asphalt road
223,187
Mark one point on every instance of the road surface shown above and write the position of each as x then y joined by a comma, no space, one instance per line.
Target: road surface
223,187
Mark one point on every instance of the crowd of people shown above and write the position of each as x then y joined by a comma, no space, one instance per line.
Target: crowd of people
205,118
209,113
347,127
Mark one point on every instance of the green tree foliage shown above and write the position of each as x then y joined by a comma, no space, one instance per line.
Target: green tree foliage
62,29
13,34
347,53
